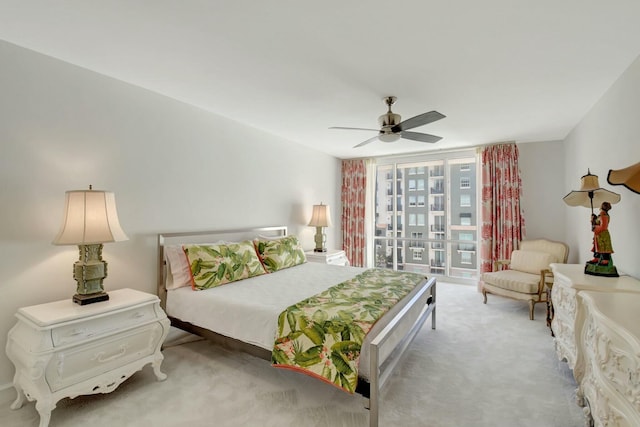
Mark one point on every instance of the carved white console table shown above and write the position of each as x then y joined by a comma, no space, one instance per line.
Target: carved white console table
62,349
610,343
569,280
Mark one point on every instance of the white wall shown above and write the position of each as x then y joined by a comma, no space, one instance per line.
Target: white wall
172,167
542,173
608,137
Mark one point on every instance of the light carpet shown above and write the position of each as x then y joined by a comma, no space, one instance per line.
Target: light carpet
484,365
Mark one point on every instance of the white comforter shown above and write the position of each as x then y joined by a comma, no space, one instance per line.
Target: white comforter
248,310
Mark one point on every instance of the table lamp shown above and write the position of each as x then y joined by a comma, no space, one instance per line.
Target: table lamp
90,219
591,193
320,218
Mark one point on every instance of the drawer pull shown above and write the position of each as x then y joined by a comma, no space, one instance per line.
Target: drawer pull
138,315
78,331
101,359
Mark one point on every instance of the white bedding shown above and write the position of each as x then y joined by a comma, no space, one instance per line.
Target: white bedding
247,310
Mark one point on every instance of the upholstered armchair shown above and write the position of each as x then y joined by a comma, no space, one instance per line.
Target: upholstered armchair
527,275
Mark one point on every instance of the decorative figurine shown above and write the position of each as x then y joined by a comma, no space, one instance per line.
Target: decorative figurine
590,192
602,263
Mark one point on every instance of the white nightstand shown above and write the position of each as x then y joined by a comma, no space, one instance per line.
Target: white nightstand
62,349
332,256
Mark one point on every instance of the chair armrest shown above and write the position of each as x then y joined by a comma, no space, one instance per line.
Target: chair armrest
498,264
544,275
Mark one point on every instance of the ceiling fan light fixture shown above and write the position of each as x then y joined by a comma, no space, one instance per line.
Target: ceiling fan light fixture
389,137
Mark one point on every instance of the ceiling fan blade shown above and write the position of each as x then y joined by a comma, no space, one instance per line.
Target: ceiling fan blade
368,141
419,120
422,137
340,127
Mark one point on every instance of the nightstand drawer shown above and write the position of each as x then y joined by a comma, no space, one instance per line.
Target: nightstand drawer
82,330
82,362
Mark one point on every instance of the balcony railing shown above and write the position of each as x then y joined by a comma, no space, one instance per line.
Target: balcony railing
437,228
437,190
436,207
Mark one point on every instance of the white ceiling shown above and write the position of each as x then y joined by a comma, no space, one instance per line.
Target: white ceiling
500,70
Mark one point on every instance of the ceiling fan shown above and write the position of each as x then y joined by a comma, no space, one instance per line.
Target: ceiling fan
392,129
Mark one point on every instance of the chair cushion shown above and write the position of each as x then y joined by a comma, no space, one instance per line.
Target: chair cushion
530,261
517,281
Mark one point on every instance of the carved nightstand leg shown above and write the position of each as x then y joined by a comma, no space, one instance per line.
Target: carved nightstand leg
17,404
156,369
44,408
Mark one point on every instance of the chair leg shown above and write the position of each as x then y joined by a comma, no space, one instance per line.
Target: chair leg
532,304
484,295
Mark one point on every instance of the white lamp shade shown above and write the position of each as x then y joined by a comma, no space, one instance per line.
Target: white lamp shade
90,217
321,216
590,193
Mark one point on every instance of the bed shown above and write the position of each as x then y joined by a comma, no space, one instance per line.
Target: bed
221,313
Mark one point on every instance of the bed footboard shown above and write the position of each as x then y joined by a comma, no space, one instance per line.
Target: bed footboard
385,353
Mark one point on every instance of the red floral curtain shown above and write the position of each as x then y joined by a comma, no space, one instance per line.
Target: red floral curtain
354,186
502,222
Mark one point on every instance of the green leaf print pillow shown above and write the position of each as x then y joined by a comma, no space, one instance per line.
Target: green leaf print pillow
217,264
280,253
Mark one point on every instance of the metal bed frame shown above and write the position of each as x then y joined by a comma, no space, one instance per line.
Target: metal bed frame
385,349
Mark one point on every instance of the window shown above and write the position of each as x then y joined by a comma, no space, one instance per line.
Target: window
466,236
438,193
469,247
416,243
465,219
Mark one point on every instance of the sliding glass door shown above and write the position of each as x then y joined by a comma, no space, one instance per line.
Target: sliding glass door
426,215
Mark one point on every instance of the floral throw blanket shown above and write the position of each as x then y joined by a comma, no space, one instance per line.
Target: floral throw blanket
322,335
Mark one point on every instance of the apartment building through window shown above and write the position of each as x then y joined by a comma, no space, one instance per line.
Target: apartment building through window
426,214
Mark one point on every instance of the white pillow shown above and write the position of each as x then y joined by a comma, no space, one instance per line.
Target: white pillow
530,261
178,271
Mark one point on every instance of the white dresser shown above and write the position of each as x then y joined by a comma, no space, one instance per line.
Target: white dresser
610,342
569,280
332,257
62,349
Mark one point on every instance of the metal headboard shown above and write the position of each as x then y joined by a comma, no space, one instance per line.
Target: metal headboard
175,238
